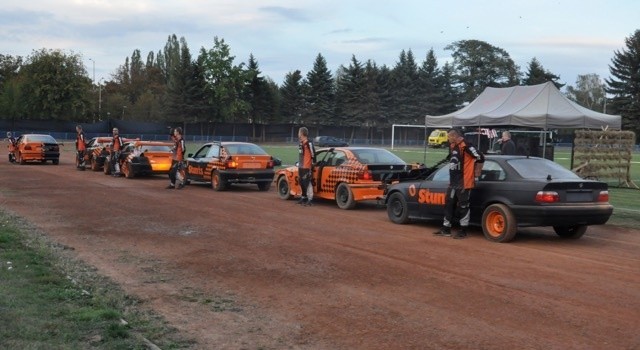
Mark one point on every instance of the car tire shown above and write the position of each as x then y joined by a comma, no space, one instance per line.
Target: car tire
55,161
344,197
283,188
94,164
570,232
216,182
397,208
264,186
128,171
499,223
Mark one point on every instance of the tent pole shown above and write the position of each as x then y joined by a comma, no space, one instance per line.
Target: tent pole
544,145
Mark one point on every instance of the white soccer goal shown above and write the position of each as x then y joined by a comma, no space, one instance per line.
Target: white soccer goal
393,131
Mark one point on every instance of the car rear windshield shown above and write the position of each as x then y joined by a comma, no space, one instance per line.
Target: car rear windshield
155,148
376,156
539,168
245,148
41,138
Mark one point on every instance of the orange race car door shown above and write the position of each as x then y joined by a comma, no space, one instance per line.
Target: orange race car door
328,161
197,165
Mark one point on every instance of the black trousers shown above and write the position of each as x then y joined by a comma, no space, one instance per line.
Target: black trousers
456,205
305,179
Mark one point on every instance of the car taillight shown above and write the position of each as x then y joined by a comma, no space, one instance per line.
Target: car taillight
366,175
231,164
270,164
603,196
547,197
27,147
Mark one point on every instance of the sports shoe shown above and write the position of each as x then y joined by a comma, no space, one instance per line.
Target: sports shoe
170,187
461,234
308,203
302,201
180,186
443,231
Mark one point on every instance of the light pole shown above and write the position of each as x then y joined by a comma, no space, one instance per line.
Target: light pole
94,70
123,108
100,99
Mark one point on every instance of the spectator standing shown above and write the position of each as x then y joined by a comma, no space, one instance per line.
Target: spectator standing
508,147
465,164
307,156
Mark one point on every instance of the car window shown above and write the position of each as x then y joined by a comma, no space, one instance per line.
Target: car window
214,151
492,171
376,156
40,138
322,157
540,168
336,158
156,148
441,174
202,152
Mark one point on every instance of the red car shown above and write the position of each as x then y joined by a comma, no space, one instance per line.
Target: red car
37,148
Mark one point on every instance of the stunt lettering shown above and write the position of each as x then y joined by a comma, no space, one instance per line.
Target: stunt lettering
195,170
427,197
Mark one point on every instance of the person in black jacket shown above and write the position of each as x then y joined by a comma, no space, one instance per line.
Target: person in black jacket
508,146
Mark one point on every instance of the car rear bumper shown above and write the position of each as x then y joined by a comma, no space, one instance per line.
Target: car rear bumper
247,176
565,215
34,156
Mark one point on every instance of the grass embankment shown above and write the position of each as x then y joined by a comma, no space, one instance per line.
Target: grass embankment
44,307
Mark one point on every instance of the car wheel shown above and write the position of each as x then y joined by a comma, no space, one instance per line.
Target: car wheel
107,167
94,165
572,232
397,208
499,223
283,188
344,197
128,171
216,182
55,161
264,186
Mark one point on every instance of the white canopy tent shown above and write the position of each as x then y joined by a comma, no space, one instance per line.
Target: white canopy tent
537,106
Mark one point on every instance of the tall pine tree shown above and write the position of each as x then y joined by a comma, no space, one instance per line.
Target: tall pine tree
624,83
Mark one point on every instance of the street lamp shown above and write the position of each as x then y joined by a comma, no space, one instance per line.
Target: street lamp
100,98
94,70
123,108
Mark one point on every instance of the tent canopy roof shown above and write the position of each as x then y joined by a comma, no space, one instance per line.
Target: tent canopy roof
536,106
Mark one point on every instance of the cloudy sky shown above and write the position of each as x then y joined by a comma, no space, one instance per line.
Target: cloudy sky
567,37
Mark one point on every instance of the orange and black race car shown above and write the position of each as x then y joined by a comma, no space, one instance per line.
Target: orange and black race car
98,150
226,163
36,147
346,175
144,158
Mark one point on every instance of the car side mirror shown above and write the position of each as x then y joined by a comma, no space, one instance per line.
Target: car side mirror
190,155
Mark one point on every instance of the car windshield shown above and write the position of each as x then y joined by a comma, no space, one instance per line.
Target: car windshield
435,133
540,168
40,138
244,148
376,156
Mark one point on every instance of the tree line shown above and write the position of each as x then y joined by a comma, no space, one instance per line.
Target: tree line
172,85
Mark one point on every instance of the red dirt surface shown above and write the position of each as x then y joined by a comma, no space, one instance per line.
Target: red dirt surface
244,270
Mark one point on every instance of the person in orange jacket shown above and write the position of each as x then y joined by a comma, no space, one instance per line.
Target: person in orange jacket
465,164
177,162
12,147
81,147
116,148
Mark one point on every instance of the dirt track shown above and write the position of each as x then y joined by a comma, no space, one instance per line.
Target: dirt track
244,269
